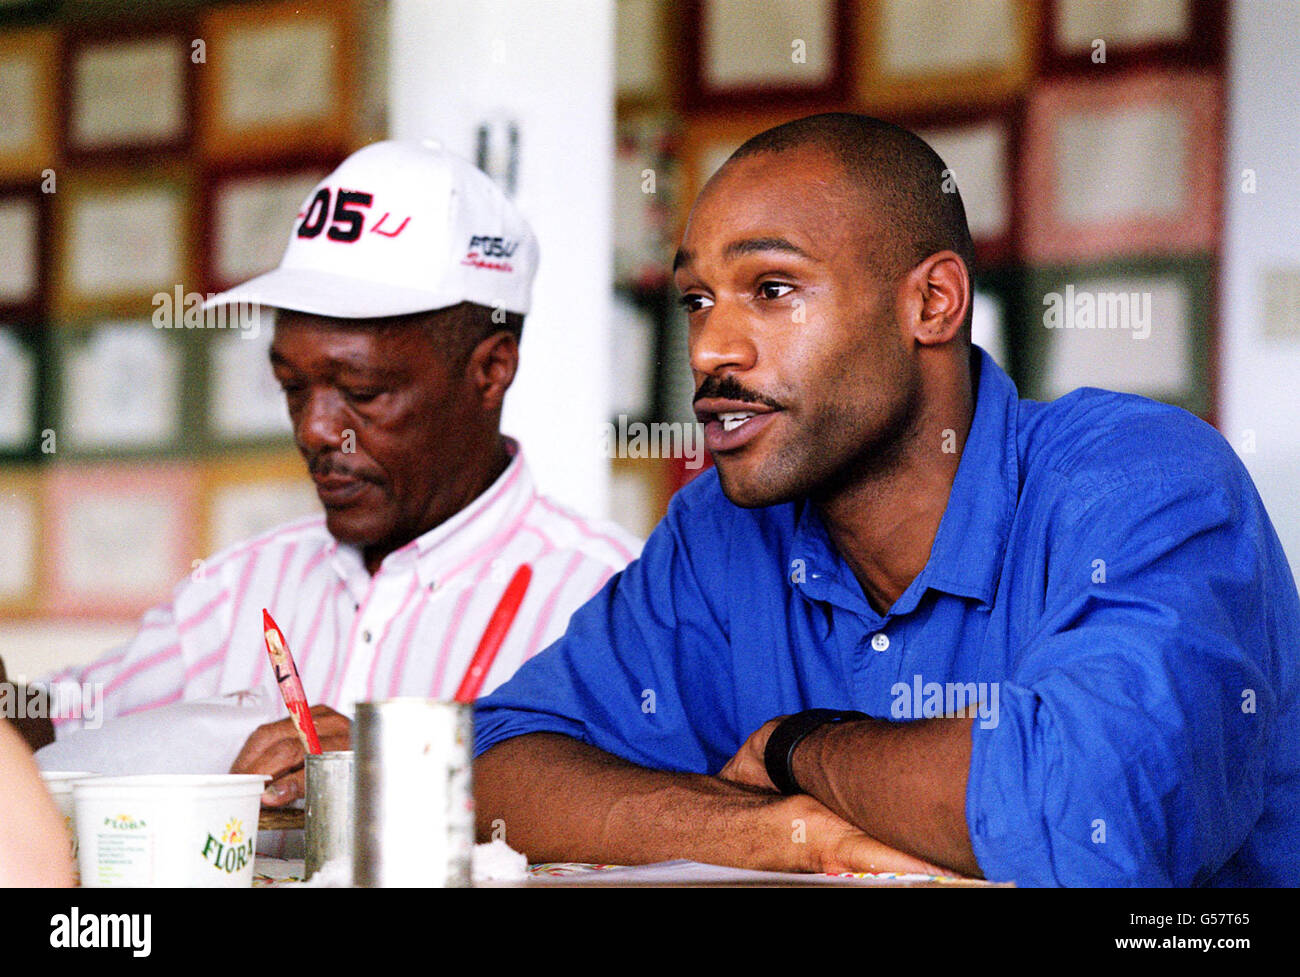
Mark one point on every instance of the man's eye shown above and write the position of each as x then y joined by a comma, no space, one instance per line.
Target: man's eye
362,396
774,290
693,302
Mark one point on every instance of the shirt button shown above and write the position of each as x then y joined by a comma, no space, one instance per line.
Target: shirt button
880,641
365,636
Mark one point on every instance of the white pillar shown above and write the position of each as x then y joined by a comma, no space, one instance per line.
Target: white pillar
548,66
1259,358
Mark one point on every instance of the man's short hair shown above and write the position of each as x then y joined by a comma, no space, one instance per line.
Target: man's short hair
456,330
905,180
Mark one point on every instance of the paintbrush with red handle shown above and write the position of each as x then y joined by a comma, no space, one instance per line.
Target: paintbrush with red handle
286,675
494,634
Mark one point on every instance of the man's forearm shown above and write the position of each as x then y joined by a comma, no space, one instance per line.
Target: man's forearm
558,799
904,783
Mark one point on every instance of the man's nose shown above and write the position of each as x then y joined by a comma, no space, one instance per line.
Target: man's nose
320,422
722,341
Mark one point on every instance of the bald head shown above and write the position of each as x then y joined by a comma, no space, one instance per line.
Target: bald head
901,177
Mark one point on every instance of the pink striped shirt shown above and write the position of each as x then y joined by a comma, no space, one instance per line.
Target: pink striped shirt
411,629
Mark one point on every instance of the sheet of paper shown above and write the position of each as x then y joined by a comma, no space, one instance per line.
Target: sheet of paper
203,736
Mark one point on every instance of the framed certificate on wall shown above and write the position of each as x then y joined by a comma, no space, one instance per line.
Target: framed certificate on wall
250,212
23,358
245,404
29,136
1122,166
24,231
128,90
979,151
279,78
21,517
1142,326
122,239
246,495
1084,35
735,55
644,63
120,387
118,536
919,54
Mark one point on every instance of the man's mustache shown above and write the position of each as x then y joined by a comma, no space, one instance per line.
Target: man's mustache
729,388
323,466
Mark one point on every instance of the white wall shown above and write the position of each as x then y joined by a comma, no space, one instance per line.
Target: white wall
550,67
1260,376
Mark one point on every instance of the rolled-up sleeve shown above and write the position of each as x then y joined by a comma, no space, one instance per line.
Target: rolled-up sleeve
1132,739
631,675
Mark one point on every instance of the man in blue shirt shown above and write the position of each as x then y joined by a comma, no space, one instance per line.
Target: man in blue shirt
1048,643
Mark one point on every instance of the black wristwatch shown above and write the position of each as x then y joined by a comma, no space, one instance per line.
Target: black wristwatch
788,734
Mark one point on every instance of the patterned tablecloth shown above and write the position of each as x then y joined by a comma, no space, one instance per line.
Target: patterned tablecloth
279,872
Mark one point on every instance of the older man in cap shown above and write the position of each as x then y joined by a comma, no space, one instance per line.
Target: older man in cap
400,301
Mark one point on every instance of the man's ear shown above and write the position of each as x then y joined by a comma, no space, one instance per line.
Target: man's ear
938,292
492,367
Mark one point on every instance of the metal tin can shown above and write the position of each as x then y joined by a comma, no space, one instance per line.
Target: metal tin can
329,830
414,803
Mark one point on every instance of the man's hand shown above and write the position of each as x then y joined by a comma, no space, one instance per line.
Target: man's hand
276,750
748,766
840,783
832,845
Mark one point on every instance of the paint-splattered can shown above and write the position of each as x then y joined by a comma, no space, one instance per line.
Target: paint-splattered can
414,804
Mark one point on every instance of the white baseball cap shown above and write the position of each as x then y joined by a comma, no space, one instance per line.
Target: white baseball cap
400,227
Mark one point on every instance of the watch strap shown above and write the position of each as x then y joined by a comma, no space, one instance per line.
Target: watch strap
789,733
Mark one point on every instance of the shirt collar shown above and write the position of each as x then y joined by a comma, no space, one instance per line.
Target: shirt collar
966,556
465,540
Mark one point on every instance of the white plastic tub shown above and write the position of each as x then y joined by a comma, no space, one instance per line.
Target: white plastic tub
170,830
59,784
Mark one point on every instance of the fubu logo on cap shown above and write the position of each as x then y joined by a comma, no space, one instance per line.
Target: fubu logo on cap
483,247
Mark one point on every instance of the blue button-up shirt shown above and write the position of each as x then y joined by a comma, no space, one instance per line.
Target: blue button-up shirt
1105,596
